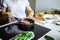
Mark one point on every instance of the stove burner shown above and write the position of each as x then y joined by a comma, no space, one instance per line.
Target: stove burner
39,31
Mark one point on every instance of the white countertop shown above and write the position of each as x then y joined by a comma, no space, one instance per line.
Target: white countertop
54,30
53,34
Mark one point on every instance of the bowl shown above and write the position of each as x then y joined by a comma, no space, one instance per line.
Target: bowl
26,27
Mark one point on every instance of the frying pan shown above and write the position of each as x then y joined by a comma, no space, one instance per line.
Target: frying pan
26,27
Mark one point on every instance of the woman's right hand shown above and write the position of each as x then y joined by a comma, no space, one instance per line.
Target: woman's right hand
10,15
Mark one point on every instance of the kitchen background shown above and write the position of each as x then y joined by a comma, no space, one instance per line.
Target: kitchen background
43,5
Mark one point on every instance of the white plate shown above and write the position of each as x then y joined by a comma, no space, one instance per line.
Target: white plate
32,35
57,22
48,16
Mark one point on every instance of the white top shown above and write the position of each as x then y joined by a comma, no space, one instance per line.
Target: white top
16,8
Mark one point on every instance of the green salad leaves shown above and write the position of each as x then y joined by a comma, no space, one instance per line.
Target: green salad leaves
23,36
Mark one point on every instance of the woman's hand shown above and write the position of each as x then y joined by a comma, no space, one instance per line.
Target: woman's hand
0,10
31,14
3,11
10,15
30,11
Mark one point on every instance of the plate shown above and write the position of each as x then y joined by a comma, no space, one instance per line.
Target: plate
32,35
57,21
24,35
48,16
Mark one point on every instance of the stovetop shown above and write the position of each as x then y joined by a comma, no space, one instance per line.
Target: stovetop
38,30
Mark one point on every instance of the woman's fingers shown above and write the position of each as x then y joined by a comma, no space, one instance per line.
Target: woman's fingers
31,14
10,15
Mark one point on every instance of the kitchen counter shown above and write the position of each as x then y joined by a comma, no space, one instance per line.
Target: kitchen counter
54,30
52,33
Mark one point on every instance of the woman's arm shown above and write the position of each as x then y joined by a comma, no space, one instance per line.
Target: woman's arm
30,11
9,13
3,11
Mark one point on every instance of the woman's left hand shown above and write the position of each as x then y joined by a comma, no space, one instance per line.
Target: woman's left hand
30,11
31,14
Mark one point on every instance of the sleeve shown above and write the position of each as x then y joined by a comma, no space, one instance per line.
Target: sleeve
27,2
5,4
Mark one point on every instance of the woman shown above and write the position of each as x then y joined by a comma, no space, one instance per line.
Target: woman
17,8
1,1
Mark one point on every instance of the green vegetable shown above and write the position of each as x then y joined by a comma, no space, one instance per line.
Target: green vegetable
22,36
53,12
29,35
48,37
